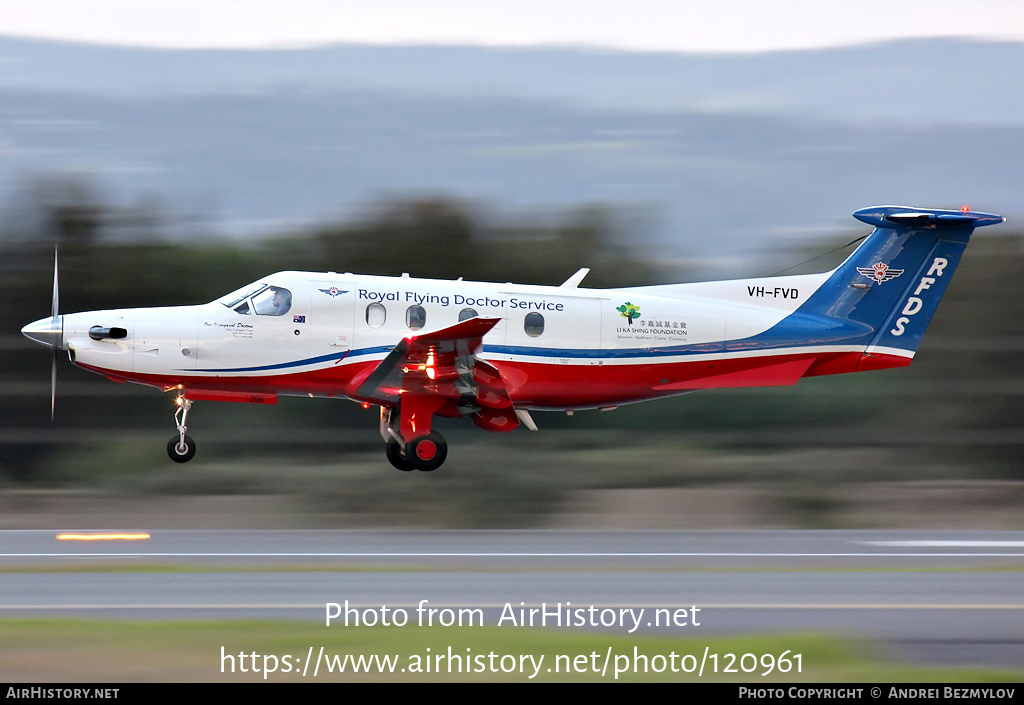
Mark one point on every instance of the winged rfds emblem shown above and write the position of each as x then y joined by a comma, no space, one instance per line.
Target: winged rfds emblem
880,272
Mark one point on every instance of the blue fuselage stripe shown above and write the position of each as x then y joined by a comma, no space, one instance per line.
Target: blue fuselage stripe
733,346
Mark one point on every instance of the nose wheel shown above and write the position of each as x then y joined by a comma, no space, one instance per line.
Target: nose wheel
181,448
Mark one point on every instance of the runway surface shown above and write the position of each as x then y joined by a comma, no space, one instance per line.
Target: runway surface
948,597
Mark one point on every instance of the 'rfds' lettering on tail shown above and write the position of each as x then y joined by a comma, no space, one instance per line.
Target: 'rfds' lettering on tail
915,303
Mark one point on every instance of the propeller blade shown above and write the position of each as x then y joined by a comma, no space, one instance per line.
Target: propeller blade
50,332
54,311
54,308
53,382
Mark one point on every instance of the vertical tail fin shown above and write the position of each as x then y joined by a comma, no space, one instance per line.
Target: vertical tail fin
885,294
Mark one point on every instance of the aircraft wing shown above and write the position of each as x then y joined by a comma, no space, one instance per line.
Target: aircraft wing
444,366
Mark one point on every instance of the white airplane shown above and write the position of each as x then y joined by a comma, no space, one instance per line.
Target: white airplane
495,352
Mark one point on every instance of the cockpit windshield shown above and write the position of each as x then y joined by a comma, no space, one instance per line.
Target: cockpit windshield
260,298
241,294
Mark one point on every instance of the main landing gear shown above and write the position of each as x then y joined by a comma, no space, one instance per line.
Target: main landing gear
424,452
410,443
181,447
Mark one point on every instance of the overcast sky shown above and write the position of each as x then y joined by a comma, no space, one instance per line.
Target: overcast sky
645,25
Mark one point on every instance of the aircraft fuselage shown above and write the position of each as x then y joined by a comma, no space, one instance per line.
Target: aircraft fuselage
556,348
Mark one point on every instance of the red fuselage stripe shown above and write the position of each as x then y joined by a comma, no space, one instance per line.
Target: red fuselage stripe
532,384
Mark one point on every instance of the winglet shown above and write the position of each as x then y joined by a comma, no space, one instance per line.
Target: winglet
574,281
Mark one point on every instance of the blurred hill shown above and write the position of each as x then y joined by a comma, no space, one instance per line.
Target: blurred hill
717,157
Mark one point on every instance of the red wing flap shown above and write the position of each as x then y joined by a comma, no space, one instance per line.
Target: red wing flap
501,420
491,390
493,398
768,375
485,374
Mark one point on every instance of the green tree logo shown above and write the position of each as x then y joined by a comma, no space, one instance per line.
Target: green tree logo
629,312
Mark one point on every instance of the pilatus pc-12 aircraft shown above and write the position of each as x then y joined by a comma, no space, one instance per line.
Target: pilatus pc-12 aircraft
496,352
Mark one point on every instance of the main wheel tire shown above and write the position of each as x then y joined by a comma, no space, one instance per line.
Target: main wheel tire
397,457
179,453
427,453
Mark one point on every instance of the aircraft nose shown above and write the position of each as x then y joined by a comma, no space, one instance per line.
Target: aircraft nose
47,331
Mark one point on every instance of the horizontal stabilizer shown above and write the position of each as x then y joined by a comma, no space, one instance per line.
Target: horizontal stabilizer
897,217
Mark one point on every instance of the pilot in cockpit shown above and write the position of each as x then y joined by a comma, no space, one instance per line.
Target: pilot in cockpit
282,301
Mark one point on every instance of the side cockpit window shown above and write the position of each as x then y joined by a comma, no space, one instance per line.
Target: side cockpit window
272,301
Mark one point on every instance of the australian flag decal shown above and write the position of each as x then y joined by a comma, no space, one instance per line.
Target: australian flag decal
298,319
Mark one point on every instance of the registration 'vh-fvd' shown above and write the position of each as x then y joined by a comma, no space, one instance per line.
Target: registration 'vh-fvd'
494,353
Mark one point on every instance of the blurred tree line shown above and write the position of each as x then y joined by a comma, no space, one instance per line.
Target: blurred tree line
955,413
113,256
118,256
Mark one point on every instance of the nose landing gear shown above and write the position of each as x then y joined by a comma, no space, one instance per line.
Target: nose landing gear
181,448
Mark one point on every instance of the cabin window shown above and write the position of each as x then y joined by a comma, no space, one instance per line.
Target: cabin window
533,324
272,301
467,313
415,317
376,315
